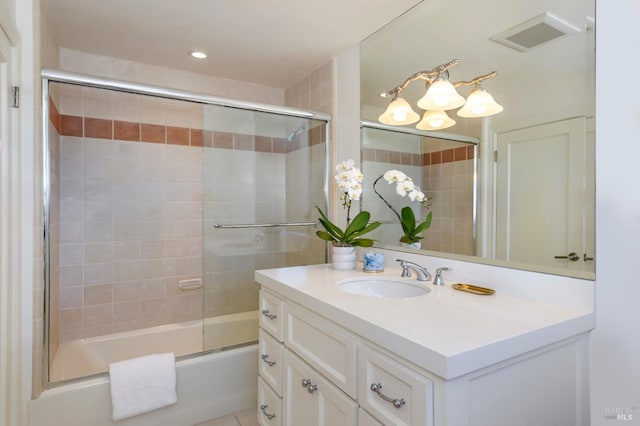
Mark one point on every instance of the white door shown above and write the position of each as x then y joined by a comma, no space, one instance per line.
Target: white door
545,195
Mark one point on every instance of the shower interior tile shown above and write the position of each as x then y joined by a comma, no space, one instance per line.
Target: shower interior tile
126,108
153,288
98,294
179,248
98,211
126,291
127,150
154,249
181,191
127,211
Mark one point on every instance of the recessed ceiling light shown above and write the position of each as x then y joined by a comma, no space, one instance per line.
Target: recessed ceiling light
198,55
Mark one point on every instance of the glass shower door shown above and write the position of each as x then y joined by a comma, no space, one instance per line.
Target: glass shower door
263,174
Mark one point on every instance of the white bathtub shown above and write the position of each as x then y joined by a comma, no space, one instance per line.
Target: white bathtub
92,355
209,385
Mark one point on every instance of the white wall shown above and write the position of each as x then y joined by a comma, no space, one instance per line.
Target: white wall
615,355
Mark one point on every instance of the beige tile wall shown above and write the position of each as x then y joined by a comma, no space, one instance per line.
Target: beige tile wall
306,167
130,229
449,176
314,92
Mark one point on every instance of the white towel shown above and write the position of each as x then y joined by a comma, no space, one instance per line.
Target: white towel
143,384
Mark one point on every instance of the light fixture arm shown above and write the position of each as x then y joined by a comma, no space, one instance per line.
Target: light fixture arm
440,96
429,76
476,80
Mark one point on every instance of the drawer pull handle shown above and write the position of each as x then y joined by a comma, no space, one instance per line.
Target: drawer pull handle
311,388
263,408
269,315
269,363
398,403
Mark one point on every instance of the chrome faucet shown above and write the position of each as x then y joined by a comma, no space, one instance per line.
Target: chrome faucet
421,271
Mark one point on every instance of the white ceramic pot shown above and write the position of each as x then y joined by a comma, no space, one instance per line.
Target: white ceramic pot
343,258
416,245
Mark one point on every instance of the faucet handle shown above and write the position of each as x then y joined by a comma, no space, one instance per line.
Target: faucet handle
438,278
406,272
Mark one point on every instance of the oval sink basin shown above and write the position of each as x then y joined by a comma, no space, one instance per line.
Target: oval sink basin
379,287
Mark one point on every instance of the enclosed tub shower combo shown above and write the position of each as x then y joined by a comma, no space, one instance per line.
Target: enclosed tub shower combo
159,206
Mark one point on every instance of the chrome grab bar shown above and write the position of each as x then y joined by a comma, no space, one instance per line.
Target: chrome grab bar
264,225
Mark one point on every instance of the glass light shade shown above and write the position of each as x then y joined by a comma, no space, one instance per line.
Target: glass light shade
398,112
441,96
479,104
435,120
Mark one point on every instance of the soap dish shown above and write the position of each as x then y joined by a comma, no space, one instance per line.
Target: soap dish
469,288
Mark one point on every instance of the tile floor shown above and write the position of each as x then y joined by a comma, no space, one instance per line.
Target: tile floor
248,417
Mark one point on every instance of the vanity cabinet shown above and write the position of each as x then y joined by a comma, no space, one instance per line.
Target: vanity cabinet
315,372
449,358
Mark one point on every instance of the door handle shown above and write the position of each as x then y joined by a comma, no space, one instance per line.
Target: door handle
585,258
571,256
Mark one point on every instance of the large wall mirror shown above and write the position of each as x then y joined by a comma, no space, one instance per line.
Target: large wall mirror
515,188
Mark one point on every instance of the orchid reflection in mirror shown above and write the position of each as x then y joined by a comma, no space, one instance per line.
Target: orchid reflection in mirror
406,187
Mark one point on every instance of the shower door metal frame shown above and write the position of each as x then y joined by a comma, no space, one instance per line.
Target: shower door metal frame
58,76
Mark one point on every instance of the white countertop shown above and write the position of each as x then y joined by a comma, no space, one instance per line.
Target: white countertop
447,332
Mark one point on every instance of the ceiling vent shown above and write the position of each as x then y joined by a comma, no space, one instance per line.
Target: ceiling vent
534,32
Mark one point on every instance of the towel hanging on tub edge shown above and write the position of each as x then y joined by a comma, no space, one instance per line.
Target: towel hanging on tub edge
142,384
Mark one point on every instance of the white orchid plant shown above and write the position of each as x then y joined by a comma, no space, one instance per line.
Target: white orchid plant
406,187
349,180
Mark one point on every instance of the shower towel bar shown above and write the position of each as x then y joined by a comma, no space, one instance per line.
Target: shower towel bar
264,225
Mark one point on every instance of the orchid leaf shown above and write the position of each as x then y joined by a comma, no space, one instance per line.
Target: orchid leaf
352,235
358,223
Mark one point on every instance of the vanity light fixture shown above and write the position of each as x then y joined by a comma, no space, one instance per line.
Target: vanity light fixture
198,55
399,112
440,96
435,120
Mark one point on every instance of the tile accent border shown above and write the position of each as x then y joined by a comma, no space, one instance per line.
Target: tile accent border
409,159
71,125
448,155
392,157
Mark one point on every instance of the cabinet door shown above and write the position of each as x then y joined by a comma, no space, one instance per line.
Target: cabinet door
325,346
392,392
310,399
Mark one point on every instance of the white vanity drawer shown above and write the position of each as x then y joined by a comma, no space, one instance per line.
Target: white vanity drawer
269,405
270,366
391,391
324,345
271,314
